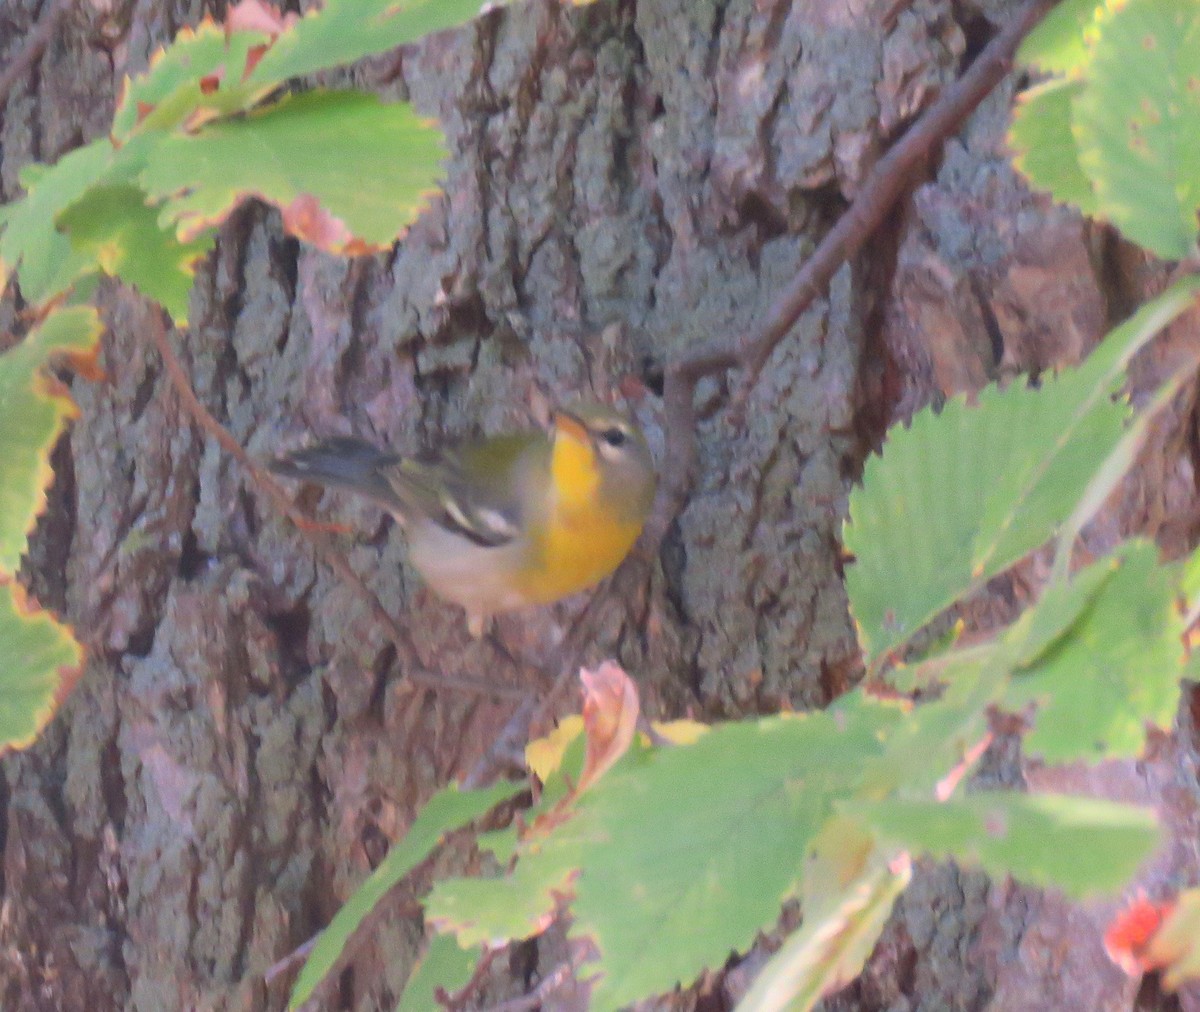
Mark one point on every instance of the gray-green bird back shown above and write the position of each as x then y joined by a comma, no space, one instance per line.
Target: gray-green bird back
473,490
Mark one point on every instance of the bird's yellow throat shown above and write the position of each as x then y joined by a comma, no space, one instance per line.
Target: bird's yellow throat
574,468
582,540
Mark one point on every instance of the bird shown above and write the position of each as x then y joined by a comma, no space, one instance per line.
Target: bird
505,521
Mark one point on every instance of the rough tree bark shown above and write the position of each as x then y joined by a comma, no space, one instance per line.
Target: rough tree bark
244,743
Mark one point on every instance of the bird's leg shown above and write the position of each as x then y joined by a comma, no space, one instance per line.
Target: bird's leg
478,623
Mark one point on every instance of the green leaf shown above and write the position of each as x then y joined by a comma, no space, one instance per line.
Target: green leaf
1099,655
959,496
842,922
39,663
838,856
937,735
1082,846
444,964
1044,149
348,171
503,844
200,75
1190,588
31,243
1055,614
1138,123
33,411
490,911
1058,44
445,811
121,233
1119,667
686,852
1112,470
31,173
348,30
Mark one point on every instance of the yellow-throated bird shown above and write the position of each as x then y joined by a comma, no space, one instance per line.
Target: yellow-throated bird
511,520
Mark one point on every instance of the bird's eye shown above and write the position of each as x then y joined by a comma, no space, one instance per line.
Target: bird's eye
614,436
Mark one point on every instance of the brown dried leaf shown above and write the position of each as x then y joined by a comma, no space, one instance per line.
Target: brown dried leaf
610,713
256,16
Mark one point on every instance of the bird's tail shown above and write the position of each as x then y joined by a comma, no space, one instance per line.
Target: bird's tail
347,463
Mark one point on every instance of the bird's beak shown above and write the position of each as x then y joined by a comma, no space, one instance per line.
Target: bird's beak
572,427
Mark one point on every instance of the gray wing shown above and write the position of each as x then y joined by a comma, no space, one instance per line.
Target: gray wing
344,462
449,499
474,491
477,498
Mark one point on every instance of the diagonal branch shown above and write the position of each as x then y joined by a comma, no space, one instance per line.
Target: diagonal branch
888,180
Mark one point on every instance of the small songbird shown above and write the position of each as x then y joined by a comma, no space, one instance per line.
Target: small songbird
511,520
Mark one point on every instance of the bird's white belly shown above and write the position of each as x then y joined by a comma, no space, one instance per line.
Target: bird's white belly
474,576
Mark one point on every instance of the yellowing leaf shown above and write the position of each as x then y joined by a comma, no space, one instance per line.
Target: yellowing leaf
1044,150
200,75
31,242
1176,946
343,31
350,171
835,939
1057,44
1137,122
544,755
40,661
610,713
123,235
680,732
33,410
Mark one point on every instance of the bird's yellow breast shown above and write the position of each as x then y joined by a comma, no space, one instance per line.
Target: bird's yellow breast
577,548
580,539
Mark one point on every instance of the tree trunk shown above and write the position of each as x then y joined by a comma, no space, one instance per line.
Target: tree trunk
626,179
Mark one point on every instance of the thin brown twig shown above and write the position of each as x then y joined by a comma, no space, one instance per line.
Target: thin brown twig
536,998
459,999
330,555
289,962
511,739
325,548
531,718
888,180
35,44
